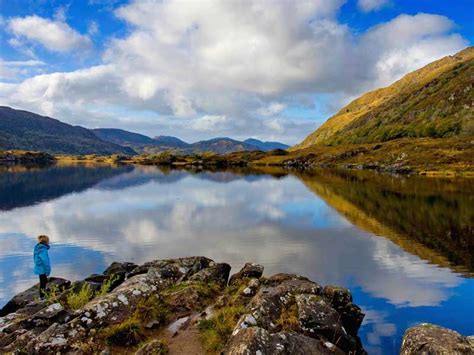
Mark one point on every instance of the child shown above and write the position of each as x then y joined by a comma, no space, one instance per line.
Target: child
42,265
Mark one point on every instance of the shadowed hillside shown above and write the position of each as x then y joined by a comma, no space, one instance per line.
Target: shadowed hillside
23,130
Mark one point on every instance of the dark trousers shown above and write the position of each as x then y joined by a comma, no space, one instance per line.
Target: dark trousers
43,282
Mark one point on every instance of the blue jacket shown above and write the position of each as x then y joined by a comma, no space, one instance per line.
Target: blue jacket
41,258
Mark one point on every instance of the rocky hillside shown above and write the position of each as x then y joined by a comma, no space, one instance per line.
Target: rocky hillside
186,305
23,130
435,101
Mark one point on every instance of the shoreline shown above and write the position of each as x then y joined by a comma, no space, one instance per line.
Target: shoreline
165,306
442,157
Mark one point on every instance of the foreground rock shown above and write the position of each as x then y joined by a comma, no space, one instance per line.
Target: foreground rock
432,339
131,307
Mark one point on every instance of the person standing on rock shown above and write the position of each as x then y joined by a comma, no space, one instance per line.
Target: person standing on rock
42,264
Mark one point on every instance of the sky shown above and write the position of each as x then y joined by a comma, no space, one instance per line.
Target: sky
269,69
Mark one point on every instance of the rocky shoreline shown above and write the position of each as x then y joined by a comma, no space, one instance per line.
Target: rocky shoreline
190,306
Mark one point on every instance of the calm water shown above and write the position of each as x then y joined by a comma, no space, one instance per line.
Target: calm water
403,246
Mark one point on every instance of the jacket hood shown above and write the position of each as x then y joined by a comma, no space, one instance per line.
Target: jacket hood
41,246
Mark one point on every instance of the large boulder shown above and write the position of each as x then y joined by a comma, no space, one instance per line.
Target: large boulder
432,339
257,340
250,270
286,303
217,273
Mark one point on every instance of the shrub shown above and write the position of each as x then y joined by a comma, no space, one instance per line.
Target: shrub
106,287
77,299
127,333
51,294
216,331
152,309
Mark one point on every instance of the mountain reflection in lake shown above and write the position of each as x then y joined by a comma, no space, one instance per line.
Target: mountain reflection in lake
403,246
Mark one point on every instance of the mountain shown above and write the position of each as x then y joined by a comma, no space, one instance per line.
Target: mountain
221,145
435,101
144,144
121,137
266,146
139,142
25,130
171,141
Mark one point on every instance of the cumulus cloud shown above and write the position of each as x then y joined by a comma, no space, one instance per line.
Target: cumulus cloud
233,67
371,5
54,35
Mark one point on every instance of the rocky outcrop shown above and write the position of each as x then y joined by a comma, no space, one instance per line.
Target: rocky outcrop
432,339
325,319
132,306
27,302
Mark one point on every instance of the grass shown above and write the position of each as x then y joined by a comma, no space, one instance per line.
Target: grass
51,294
216,331
79,299
288,319
153,309
131,331
127,333
106,287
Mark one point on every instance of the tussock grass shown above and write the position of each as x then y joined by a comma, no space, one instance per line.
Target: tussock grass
216,331
127,333
79,299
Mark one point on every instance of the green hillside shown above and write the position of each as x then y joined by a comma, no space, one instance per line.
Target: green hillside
435,101
25,130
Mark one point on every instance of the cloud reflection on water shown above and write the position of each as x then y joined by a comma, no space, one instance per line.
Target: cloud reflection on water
145,214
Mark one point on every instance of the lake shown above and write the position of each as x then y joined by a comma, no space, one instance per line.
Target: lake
403,246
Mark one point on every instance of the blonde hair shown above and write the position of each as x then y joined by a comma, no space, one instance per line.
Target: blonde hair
43,239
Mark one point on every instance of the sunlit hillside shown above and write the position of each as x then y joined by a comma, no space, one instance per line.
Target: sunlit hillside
434,101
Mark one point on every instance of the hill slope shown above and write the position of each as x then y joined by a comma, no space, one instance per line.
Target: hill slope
28,131
144,144
266,146
139,142
435,101
221,145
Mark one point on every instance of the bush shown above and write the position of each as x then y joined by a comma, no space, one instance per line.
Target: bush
216,331
51,294
76,300
127,333
106,287
152,309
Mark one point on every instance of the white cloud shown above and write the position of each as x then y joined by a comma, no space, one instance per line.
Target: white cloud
12,69
54,35
93,28
210,123
371,5
407,43
272,109
229,59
